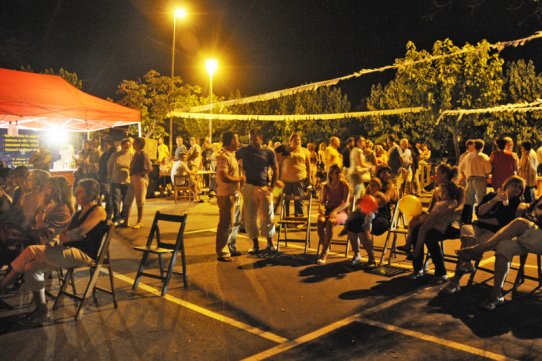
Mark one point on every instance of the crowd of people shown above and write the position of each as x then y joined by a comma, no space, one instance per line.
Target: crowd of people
40,229
507,219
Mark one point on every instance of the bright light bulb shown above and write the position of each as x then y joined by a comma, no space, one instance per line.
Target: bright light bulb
211,65
180,13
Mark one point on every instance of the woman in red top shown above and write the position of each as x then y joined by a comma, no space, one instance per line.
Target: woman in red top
334,201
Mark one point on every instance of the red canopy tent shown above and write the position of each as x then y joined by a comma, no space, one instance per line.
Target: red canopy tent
45,102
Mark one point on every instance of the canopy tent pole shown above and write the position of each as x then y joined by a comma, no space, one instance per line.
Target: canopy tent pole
139,129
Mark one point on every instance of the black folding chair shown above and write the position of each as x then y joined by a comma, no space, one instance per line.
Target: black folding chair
163,248
102,261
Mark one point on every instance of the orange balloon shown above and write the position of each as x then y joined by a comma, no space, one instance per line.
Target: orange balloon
368,204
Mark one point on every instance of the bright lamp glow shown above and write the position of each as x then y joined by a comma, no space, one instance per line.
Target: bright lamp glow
180,13
211,65
57,136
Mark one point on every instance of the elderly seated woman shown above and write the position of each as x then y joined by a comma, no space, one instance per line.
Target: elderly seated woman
51,217
520,237
79,245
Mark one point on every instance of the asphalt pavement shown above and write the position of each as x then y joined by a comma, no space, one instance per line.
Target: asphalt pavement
278,306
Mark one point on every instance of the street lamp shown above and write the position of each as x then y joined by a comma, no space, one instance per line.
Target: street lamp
211,65
181,14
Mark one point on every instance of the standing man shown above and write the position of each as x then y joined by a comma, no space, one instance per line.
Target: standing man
395,159
255,161
181,149
118,173
476,167
346,152
228,181
295,173
162,150
332,155
405,178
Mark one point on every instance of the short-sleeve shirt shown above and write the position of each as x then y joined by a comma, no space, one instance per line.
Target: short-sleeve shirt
294,167
226,162
256,163
503,214
181,149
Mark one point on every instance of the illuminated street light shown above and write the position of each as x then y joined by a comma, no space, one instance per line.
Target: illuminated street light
211,65
181,14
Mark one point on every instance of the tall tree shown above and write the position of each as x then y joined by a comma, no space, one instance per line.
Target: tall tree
320,101
70,77
471,78
155,96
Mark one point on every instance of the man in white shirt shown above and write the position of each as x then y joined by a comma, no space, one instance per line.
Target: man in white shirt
404,180
476,167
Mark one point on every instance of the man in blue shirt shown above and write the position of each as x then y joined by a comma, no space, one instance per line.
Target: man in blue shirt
255,162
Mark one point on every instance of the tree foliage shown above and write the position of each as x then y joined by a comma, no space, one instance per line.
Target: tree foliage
155,96
471,79
320,101
70,77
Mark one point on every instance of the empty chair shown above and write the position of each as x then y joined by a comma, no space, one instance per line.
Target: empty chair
162,248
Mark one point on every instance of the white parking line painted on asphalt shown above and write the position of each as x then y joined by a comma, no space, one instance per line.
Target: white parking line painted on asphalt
330,328
360,318
205,312
201,231
440,341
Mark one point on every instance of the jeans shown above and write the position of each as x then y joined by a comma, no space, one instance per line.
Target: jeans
228,224
294,189
118,194
258,200
432,242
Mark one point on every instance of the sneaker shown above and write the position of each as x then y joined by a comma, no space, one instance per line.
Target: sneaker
138,225
321,261
370,265
356,260
415,275
492,303
254,250
451,288
224,259
271,248
438,280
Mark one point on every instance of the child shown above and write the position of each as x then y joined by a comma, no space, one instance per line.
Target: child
356,219
446,200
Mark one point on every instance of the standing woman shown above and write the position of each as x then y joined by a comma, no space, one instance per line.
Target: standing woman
140,168
79,245
335,197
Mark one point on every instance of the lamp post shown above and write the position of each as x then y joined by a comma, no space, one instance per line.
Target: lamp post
181,14
211,65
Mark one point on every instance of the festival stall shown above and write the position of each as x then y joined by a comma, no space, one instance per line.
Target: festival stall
31,102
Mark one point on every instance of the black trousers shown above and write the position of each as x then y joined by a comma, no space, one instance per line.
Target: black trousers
432,242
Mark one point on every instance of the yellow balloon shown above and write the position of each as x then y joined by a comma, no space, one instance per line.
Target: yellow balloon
410,206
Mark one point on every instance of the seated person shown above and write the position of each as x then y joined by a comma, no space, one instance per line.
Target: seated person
164,180
494,212
446,201
357,233
334,201
79,245
52,216
520,237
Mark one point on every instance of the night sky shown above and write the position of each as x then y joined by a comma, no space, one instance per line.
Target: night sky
262,45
